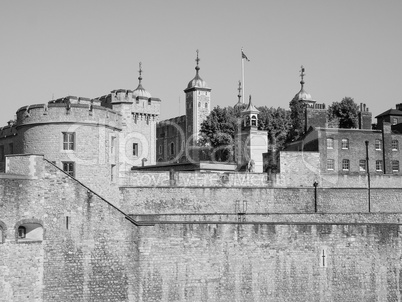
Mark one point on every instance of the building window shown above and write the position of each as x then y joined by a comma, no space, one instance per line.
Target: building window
330,164
253,120
112,144
160,149
68,167
10,148
199,104
378,165
22,232
149,101
394,145
135,149
345,143
395,166
206,105
394,121
172,148
362,165
378,144
112,172
68,140
30,232
1,153
345,164
330,143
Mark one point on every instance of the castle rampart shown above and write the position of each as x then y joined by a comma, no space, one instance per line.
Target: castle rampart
68,113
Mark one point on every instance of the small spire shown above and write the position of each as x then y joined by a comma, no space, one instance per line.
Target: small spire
302,74
140,72
239,89
197,68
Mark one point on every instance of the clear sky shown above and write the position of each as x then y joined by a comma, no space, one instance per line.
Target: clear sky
88,48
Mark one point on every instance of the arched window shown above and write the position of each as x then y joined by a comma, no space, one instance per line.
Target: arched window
29,231
253,120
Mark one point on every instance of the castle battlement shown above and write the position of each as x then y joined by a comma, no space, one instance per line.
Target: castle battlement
77,111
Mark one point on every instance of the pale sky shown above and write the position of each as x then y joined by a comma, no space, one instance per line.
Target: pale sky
88,48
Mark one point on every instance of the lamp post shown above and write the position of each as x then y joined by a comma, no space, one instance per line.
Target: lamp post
315,184
368,176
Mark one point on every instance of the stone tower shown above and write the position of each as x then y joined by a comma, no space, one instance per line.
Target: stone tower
198,107
250,143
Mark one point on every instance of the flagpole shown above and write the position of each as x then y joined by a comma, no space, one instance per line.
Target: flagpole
242,76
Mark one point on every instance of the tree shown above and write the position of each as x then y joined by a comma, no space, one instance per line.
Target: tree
346,111
218,130
278,124
297,110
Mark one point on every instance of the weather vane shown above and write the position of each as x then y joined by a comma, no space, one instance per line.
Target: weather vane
302,74
140,72
198,59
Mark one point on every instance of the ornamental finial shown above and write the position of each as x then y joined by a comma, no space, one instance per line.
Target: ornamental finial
140,72
302,74
239,89
198,61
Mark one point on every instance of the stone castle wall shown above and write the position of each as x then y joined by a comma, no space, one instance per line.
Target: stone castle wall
201,243
89,258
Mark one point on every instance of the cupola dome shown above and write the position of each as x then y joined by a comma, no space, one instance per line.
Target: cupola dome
197,82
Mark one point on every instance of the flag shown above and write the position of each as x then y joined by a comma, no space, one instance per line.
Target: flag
243,56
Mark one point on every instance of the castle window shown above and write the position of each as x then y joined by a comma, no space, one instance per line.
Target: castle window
394,121
1,153
68,222
112,172
68,167
135,149
29,232
345,143
68,140
362,165
345,164
395,166
10,148
253,120
160,149
330,164
22,231
378,165
394,145
378,144
330,143
172,148
112,144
